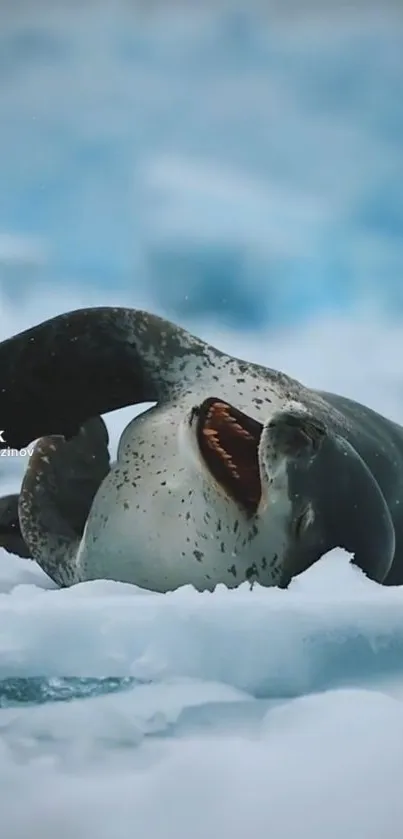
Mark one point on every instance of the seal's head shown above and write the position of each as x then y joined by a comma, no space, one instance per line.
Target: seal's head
258,465
290,449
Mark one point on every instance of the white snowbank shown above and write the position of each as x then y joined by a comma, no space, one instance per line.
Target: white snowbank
274,713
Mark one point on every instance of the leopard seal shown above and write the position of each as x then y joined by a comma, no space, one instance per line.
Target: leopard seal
237,473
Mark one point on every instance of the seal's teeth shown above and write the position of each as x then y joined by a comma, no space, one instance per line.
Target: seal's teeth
229,463
230,452
244,433
218,448
210,432
214,442
233,423
215,445
238,428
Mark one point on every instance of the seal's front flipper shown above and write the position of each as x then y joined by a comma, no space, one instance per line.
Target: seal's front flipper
10,532
57,492
75,469
354,511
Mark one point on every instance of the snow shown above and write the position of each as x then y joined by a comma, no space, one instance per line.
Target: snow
234,712
250,711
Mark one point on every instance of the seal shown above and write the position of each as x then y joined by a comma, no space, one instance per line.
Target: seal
237,472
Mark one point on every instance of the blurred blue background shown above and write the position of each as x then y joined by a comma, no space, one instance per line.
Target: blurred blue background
238,162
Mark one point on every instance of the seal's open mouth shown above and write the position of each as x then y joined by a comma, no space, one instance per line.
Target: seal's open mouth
228,441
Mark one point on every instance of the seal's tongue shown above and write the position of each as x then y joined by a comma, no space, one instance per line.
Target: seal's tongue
228,441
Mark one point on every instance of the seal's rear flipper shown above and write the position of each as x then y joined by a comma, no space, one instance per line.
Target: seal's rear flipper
57,492
10,532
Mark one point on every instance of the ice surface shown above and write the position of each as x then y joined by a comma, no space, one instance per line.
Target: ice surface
258,712
248,711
